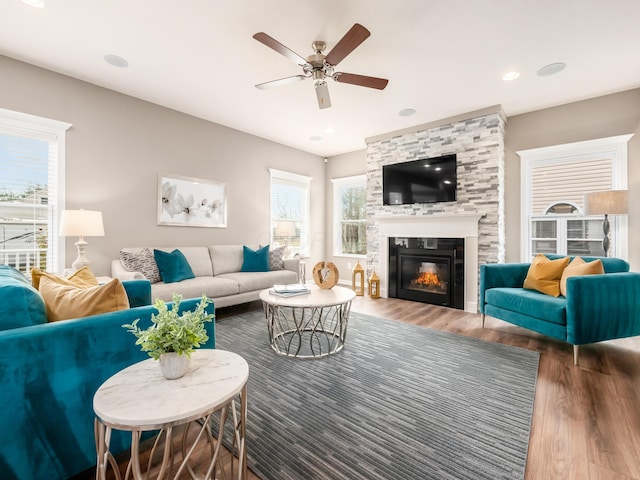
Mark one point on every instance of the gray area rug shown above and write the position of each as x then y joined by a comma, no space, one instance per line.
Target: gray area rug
398,402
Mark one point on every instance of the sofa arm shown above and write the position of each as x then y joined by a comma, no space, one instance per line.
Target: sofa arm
603,307
49,375
292,264
118,271
495,275
138,292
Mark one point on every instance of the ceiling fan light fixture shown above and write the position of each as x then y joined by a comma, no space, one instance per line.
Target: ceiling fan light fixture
322,92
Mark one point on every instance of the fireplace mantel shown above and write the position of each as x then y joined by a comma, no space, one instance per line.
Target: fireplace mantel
460,225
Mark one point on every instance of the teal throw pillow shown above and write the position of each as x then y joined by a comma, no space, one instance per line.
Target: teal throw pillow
173,266
255,260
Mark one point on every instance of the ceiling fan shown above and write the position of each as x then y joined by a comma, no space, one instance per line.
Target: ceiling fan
320,66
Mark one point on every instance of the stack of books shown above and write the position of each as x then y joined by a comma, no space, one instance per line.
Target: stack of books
290,290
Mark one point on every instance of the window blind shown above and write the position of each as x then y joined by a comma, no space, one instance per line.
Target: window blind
567,182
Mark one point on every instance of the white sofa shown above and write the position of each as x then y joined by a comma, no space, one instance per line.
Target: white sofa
217,275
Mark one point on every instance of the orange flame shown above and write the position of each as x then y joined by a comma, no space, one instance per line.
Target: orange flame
428,279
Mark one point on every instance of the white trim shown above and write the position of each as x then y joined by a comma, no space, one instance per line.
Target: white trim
292,177
337,184
24,122
305,249
459,225
614,148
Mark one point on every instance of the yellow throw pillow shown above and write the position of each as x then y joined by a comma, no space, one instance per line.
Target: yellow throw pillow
82,278
579,267
68,301
544,275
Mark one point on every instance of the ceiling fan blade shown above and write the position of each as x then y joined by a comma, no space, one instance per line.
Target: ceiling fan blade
322,92
361,80
347,44
281,81
280,48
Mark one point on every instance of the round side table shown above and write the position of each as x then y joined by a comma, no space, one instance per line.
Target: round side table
313,325
139,399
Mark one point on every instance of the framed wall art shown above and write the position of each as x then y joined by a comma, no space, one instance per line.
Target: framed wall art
191,202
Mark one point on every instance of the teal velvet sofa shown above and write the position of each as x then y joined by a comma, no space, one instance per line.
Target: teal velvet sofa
596,308
49,373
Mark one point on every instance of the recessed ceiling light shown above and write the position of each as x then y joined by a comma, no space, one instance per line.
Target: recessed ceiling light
315,138
330,130
551,69
510,76
116,61
406,112
34,3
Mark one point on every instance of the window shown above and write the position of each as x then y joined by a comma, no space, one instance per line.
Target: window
290,225
349,216
31,166
554,181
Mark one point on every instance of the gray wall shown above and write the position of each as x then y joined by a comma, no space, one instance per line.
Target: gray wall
118,144
600,117
605,116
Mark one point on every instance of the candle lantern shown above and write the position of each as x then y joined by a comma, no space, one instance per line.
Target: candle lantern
357,279
374,285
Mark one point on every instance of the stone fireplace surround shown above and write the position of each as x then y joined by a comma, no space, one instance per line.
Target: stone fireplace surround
477,138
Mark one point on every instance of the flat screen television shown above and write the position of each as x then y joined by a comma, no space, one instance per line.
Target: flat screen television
429,180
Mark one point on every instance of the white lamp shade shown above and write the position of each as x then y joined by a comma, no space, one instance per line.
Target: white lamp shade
81,223
611,202
285,228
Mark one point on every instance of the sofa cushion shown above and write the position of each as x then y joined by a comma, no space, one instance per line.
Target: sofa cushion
579,267
544,275
21,305
173,266
198,258
67,301
251,281
226,258
141,261
212,287
82,278
255,260
529,302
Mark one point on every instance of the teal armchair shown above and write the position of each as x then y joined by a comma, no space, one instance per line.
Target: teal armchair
596,308
49,373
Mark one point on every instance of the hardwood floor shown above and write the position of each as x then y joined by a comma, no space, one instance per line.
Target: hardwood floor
586,419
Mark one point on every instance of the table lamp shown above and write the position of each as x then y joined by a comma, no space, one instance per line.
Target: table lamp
285,229
611,202
81,223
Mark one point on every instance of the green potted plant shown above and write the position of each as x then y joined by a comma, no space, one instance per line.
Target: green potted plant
173,337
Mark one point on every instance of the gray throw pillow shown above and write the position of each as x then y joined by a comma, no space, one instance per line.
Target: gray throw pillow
142,262
276,258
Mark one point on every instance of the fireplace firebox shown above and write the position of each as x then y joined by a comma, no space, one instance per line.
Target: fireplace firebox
428,270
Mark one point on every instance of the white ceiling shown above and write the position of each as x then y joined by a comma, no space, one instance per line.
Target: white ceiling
442,57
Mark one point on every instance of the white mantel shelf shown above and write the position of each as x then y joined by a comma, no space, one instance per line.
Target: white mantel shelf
458,225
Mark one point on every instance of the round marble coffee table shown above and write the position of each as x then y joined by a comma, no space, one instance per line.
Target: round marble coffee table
140,399
308,326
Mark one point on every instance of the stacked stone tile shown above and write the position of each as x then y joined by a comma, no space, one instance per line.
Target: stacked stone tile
479,145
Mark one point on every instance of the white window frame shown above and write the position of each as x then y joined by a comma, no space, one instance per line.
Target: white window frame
612,148
32,125
305,231
338,184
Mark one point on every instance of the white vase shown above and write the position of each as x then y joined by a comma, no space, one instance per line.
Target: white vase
173,365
